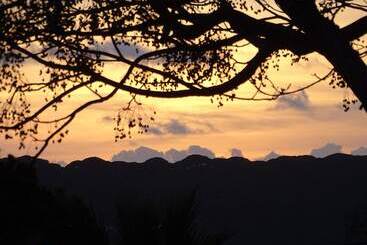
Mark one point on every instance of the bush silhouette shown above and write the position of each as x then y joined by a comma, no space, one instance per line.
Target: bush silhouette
171,222
30,214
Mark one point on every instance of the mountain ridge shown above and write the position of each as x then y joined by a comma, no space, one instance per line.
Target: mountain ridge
97,160
291,199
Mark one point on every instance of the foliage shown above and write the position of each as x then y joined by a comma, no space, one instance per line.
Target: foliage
166,49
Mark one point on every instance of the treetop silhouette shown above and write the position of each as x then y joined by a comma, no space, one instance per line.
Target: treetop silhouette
166,49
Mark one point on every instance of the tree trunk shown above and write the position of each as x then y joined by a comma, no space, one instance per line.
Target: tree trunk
331,43
349,65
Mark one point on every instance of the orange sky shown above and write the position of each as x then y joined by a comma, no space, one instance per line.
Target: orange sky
293,125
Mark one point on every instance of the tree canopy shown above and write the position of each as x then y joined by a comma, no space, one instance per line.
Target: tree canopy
165,49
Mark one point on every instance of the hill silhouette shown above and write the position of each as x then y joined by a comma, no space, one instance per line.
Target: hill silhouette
287,200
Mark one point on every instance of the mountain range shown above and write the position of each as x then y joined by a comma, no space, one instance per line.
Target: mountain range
287,200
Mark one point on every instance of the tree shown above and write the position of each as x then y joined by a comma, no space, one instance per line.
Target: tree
167,49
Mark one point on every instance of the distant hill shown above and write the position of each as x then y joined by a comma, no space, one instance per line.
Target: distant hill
287,200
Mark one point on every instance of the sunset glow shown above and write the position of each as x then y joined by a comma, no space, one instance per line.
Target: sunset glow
291,125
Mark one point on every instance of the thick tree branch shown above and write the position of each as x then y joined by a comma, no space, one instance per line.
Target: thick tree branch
355,30
244,75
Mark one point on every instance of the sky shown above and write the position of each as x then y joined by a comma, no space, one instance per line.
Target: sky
292,125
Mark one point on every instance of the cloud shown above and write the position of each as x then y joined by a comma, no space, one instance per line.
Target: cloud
326,150
61,163
129,51
176,127
155,131
298,101
142,154
361,151
198,150
107,119
236,152
174,155
269,156
173,127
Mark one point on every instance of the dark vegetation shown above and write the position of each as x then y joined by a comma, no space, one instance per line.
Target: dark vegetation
170,222
30,214
289,200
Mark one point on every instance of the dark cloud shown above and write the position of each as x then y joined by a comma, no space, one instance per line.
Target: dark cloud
142,154
326,150
244,122
236,152
361,151
298,101
131,52
107,119
174,127
155,131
